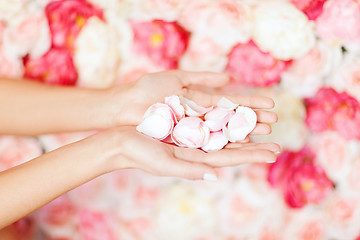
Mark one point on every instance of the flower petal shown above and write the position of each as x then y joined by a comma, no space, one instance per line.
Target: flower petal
217,140
192,109
191,132
217,118
175,105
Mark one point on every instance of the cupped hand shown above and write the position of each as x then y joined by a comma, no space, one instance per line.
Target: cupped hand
137,151
154,87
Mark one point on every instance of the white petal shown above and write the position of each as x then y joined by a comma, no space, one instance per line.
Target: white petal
240,124
174,103
192,109
226,104
217,118
217,141
190,132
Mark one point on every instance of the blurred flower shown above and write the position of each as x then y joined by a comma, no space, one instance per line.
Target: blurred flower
340,21
94,225
17,150
330,110
163,42
249,65
312,8
96,54
282,30
66,18
55,67
299,178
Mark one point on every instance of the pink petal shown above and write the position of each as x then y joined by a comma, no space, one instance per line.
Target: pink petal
240,124
190,132
217,141
217,118
158,121
175,105
192,109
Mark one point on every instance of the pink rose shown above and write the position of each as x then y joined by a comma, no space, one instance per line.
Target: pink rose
299,178
158,121
55,67
58,212
163,42
10,67
66,18
191,132
95,225
340,20
312,8
240,124
17,150
249,65
330,110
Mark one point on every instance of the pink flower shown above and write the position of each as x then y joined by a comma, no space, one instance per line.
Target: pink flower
55,67
17,150
299,178
58,212
249,65
158,121
340,20
163,42
191,132
330,110
217,141
95,225
240,124
66,18
312,8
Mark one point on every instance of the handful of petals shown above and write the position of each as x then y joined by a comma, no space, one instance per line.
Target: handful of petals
182,122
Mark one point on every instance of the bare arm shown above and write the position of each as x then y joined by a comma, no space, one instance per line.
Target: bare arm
31,185
31,108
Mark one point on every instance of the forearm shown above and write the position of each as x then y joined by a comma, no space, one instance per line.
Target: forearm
31,108
29,186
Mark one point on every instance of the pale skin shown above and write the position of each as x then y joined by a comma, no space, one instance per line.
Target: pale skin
38,109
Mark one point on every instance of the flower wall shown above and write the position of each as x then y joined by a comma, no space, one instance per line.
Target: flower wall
304,54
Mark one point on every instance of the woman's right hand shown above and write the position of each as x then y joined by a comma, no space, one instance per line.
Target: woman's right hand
132,149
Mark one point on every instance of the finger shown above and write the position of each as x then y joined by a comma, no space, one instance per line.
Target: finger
228,157
209,79
206,99
233,157
274,147
266,117
261,129
189,170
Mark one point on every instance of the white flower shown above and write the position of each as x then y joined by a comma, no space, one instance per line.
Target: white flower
307,74
282,30
96,54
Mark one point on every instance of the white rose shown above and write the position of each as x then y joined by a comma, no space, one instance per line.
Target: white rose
27,32
347,76
307,74
96,54
282,30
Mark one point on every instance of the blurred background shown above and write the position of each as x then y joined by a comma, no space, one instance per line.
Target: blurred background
303,53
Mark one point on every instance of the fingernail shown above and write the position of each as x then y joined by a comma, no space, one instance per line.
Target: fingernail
272,161
210,177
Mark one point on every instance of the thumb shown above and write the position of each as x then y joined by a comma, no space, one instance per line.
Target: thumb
208,79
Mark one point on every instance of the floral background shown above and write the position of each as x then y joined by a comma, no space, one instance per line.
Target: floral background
303,53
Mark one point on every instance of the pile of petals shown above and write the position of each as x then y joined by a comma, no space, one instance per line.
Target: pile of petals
182,122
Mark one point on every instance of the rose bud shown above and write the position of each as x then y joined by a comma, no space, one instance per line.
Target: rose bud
217,140
240,124
192,109
158,121
217,118
190,132
175,105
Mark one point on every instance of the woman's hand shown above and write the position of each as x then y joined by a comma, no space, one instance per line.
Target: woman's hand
138,151
130,101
